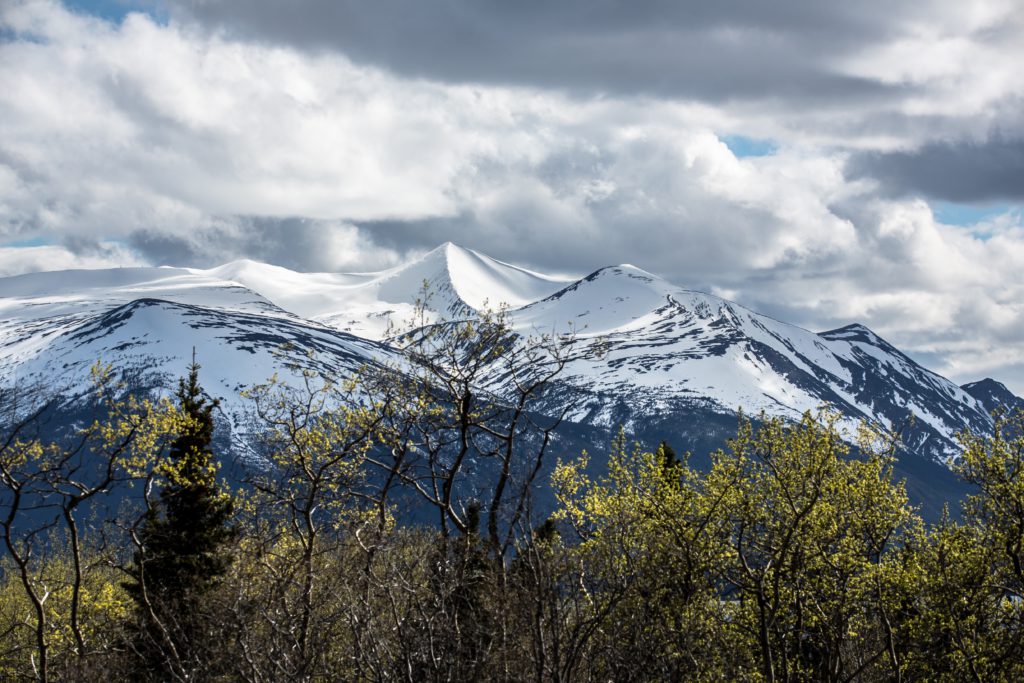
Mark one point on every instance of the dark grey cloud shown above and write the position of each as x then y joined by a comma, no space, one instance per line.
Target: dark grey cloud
292,242
168,249
708,50
956,172
288,242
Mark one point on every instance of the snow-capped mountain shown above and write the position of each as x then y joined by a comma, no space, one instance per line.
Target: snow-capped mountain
146,321
368,304
669,350
994,396
647,354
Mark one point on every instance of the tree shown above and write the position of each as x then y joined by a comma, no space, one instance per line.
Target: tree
307,504
182,544
49,484
995,464
461,418
653,541
812,530
968,611
669,459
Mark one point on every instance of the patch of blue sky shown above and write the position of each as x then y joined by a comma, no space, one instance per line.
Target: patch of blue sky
743,146
115,11
9,35
31,242
966,215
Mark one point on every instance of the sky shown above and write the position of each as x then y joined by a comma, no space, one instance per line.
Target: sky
823,163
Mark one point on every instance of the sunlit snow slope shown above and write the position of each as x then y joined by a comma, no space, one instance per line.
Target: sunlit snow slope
146,322
669,350
460,281
646,351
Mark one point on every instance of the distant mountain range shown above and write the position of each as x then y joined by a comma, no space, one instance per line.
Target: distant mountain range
665,362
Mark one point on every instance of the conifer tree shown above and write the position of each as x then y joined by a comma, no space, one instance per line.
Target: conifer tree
183,544
669,460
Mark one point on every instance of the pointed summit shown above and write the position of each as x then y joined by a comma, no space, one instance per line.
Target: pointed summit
994,395
468,277
460,281
856,332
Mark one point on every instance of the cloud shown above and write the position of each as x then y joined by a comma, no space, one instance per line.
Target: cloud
223,127
297,243
905,68
938,77
145,142
958,172
19,260
661,47
636,192
194,147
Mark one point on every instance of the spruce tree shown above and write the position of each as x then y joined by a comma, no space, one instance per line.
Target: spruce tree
183,546
671,465
669,459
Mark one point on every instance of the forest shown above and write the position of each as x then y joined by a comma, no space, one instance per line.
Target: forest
796,556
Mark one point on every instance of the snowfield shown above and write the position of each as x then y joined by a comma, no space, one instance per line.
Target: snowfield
642,344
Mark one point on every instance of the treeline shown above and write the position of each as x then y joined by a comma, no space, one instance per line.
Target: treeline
790,559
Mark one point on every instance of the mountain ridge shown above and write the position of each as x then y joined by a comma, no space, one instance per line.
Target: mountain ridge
646,351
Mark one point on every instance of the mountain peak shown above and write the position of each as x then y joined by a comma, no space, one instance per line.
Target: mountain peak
852,328
626,272
993,395
443,251
629,270
476,280
853,332
987,384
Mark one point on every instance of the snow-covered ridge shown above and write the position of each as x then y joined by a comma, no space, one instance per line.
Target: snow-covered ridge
39,307
146,322
665,351
667,348
460,281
